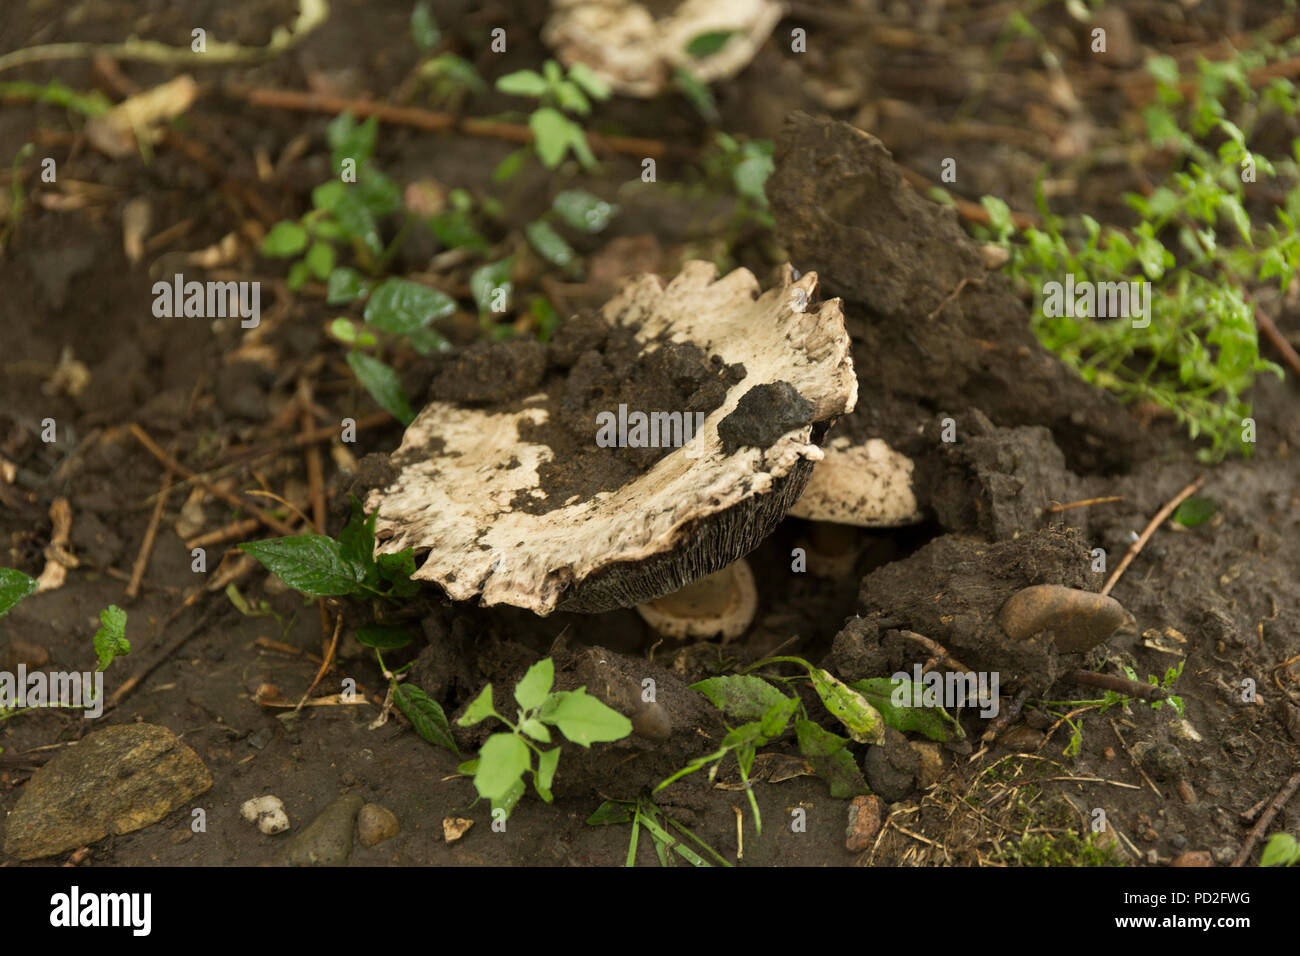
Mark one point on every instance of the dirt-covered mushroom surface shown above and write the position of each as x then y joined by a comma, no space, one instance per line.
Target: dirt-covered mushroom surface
645,448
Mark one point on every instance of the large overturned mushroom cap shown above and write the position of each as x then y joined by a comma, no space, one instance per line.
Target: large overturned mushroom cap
465,470
635,52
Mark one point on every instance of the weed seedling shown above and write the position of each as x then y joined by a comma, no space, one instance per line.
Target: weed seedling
505,757
109,641
554,133
642,813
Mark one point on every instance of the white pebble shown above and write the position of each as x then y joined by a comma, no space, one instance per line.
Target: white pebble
267,812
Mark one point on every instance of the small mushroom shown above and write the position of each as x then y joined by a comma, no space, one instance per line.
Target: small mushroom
1078,620
722,603
864,485
637,53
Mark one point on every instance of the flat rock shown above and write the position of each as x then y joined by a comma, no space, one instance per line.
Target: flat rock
116,780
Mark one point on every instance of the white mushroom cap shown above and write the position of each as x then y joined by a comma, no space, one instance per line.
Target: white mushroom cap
867,485
623,43
695,510
721,604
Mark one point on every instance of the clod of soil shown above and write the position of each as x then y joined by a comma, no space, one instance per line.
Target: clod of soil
951,591
522,502
934,331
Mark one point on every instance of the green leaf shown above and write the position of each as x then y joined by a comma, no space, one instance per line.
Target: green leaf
426,716
580,210
743,697
397,568
778,717
424,28
357,221
1281,850
357,539
544,775
344,285
427,341
285,239
386,637
110,639
350,140
535,685
570,97
548,320
555,134
378,193
487,279
707,44
320,259
509,167
848,707
611,812
309,563
697,93
298,275
536,729
326,196
750,178
511,797
501,764
522,83
14,586
454,229
1195,511
549,243
830,757
401,306
901,706
480,709
583,75
383,385
584,719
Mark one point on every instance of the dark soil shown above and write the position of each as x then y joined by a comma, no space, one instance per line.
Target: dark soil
936,338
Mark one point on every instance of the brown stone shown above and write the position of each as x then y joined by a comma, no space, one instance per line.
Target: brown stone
864,823
116,780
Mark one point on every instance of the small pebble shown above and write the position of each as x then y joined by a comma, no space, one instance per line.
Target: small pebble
375,824
453,828
864,823
1192,858
267,812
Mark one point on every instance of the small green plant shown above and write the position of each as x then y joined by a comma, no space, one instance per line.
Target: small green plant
109,642
643,814
317,565
1113,699
450,78
1198,353
1282,849
864,709
345,210
1067,849
554,133
505,757
744,165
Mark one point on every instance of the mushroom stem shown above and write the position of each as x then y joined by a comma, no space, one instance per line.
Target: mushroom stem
722,603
